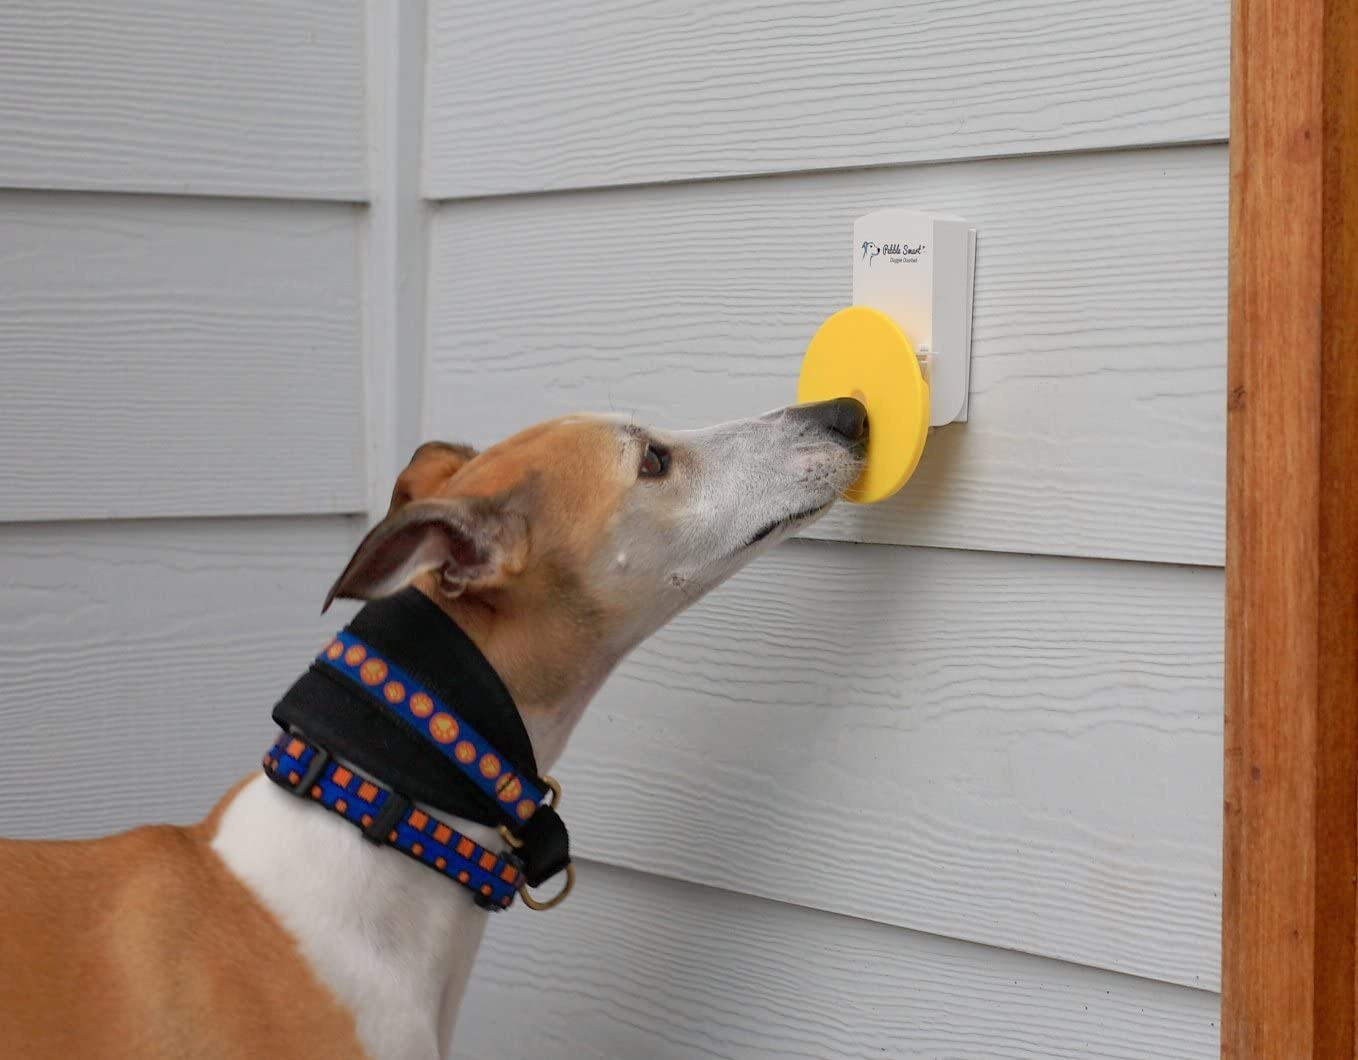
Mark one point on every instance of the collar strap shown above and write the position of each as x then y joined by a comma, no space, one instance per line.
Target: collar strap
515,795
520,800
354,720
385,817
396,721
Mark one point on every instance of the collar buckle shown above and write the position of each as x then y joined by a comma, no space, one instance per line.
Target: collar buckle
392,813
516,844
315,769
542,848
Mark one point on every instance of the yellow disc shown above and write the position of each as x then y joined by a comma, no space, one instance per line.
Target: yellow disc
860,352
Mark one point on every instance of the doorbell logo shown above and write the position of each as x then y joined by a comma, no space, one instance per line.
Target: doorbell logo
896,253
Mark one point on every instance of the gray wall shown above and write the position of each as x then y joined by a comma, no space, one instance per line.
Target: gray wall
183,448
943,781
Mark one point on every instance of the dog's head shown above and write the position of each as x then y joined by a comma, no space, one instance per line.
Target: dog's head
564,546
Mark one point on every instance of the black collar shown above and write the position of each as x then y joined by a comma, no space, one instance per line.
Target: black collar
351,723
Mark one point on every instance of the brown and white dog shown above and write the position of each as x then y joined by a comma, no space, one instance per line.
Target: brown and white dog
557,552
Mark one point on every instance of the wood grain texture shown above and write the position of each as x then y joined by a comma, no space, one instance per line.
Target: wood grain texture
1290,911
1098,359
526,97
1020,751
254,97
178,357
141,661
634,966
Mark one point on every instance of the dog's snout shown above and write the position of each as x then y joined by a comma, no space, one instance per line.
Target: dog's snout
844,416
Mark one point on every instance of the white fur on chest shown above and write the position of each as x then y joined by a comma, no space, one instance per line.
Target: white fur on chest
391,939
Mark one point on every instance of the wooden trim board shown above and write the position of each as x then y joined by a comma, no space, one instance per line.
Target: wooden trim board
1291,815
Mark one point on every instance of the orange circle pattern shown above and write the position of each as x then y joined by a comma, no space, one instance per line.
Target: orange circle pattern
421,705
443,728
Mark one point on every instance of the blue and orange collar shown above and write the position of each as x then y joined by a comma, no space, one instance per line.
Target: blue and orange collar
368,737
389,819
515,795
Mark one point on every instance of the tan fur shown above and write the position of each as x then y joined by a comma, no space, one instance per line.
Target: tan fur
433,464
568,478
144,945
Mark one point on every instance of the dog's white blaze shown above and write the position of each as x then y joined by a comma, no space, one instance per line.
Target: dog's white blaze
392,940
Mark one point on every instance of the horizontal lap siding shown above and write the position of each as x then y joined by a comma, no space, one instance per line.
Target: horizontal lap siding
141,661
525,96
633,966
1019,748
1099,345
1021,751
250,97
181,337
176,356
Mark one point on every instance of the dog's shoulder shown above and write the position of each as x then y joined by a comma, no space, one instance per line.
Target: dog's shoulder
144,944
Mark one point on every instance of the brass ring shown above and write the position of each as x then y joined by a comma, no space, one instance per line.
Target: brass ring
555,789
553,902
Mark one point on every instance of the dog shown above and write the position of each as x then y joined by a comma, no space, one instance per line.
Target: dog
275,928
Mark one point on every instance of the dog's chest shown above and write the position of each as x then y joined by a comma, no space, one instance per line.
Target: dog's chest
393,941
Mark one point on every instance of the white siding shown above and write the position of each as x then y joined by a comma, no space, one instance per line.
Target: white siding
178,356
250,97
183,349
1097,424
944,784
141,661
1007,731
526,96
633,966
1023,751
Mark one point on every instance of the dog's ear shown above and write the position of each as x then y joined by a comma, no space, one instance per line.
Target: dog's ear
430,468
475,543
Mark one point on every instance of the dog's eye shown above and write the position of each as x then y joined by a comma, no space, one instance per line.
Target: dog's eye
654,462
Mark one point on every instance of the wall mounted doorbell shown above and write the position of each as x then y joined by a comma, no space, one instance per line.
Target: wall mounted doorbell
904,347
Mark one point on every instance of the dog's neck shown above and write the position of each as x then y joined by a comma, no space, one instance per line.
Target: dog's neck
393,940
546,669
552,659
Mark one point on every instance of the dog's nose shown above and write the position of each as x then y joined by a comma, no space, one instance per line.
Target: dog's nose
845,416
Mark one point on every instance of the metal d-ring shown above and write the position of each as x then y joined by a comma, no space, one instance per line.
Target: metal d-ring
555,789
554,901
515,843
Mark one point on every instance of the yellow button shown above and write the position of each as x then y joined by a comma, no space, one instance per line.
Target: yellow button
860,352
